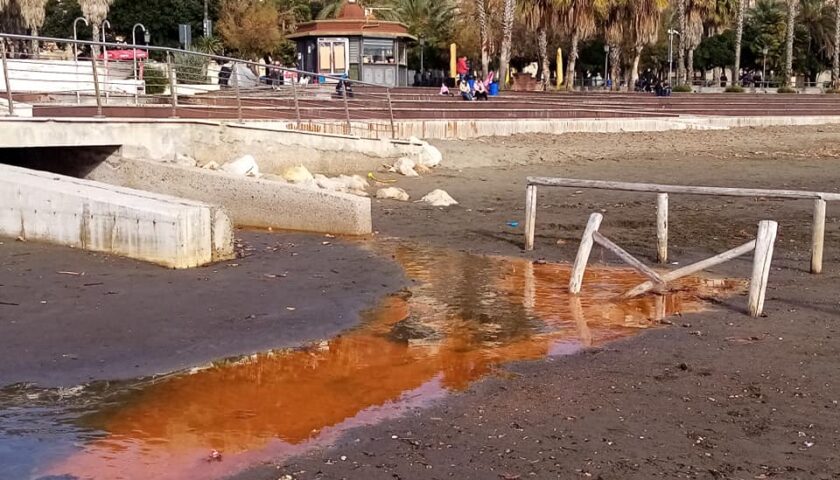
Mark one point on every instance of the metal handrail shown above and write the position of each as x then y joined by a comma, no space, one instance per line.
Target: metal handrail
127,46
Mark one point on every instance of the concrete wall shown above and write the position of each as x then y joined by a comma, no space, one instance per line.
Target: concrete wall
273,147
249,201
176,233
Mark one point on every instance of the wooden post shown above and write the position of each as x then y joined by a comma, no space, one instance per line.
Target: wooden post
6,77
693,268
172,85
818,236
626,257
530,215
761,265
576,308
99,113
582,258
529,295
237,93
662,228
297,105
391,114
660,308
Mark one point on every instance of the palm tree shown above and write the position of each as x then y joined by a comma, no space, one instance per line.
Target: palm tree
33,13
681,46
739,34
539,15
615,24
791,25
696,12
835,62
507,34
482,6
645,17
720,19
95,11
579,19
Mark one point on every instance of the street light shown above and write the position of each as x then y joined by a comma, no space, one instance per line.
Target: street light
671,33
606,63
76,36
422,48
105,55
146,37
764,68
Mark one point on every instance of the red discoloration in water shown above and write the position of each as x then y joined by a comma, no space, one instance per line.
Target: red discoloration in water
466,316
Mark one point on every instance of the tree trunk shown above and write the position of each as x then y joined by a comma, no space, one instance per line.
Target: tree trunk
36,47
507,33
485,37
739,33
634,73
835,63
681,46
570,68
615,66
542,38
96,28
689,67
791,24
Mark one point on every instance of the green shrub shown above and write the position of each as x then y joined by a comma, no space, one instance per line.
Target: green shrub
786,90
684,88
156,80
734,89
832,90
190,69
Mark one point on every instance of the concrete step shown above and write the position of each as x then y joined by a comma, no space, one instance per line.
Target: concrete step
161,229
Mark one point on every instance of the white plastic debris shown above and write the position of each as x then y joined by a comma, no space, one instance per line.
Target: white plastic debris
331,184
430,156
184,160
439,198
245,165
405,166
298,174
393,193
211,165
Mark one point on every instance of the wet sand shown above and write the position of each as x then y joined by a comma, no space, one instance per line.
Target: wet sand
109,318
716,395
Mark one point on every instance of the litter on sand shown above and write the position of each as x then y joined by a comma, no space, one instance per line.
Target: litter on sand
392,193
439,198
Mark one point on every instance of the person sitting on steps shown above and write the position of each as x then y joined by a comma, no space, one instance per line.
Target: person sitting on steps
480,90
466,94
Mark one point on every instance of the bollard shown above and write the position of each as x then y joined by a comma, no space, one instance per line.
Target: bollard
96,91
662,228
347,108
761,266
6,77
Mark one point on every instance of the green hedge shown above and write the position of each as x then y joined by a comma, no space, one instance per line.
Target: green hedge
786,90
682,89
734,89
156,80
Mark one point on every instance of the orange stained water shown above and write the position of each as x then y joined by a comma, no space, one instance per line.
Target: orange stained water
465,315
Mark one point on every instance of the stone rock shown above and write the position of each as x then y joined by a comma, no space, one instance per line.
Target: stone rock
430,156
439,198
298,174
405,166
184,160
394,193
327,183
354,182
273,177
245,165
211,165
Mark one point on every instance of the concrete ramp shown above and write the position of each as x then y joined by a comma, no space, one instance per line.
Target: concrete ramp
168,231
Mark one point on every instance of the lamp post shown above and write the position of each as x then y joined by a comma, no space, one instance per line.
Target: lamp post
146,37
671,33
606,63
105,55
76,36
764,68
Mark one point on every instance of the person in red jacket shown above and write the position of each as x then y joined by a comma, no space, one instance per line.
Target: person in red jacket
462,68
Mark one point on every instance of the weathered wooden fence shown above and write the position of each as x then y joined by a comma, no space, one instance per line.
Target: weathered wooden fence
818,225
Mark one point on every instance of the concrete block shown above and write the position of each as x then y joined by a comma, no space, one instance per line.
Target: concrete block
250,201
168,231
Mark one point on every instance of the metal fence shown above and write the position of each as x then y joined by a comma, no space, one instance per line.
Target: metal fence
159,82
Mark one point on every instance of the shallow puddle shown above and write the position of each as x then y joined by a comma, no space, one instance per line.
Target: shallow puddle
463,316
